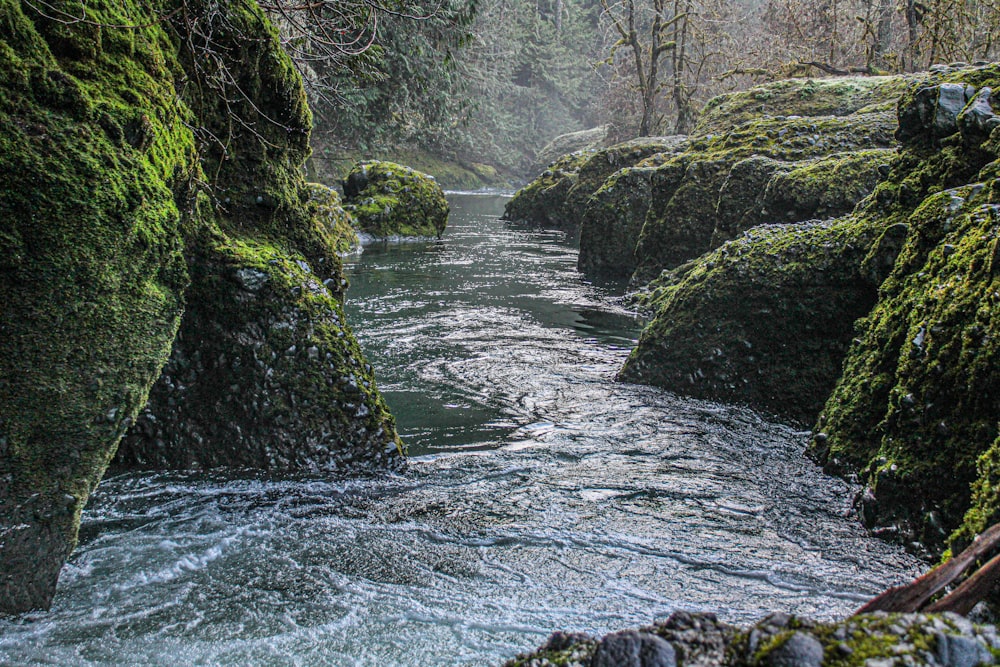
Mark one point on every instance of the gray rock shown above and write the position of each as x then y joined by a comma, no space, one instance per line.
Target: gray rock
950,102
252,279
958,651
634,649
977,120
801,650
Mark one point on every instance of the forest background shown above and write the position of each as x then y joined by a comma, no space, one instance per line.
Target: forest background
488,83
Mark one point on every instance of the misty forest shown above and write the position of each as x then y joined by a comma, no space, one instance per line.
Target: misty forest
606,333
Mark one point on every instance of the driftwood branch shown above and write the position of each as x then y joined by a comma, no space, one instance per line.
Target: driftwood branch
914,596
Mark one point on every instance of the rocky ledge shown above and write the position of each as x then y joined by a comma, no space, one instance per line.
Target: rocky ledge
780,640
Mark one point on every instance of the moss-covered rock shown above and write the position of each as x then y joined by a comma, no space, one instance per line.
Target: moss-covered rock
94,155
701,640
558,197
761,190
916,406
265,372
764,320
682,221
125,177
388,200
542,201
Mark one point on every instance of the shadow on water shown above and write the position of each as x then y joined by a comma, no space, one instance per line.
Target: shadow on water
542,495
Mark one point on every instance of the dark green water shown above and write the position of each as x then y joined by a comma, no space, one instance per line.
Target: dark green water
542,495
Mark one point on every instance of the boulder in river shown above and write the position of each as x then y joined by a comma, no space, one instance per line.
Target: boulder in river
390,201
122,225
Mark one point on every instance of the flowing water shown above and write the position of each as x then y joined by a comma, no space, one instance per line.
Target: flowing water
542,495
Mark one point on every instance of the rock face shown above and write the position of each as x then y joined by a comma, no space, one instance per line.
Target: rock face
130,198
882,323
682,221
92,273
557,198
388,201
765,320
916,406
780,640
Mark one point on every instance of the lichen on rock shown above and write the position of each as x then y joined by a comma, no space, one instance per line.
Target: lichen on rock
391,201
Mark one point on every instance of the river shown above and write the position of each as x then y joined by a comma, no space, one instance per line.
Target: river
541,495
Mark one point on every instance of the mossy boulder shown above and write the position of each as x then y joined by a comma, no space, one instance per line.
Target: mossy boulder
388,201
915,410
542,201
684,221
761,190
764,320
702,640
130,193
558,197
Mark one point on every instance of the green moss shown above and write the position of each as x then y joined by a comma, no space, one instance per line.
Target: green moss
387,200
736,323
93,279
835,96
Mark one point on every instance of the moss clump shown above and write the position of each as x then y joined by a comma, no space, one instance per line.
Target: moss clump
736,323
389,200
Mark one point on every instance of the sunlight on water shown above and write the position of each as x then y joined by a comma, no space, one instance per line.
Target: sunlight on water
542,496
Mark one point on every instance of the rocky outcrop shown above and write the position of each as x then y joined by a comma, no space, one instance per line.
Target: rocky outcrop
682,221
389,201
915,409
880,323
131,197
701,640
558,197
765,320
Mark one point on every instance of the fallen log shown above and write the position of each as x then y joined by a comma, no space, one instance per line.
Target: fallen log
914,596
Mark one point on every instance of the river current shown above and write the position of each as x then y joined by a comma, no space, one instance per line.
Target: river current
541,495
